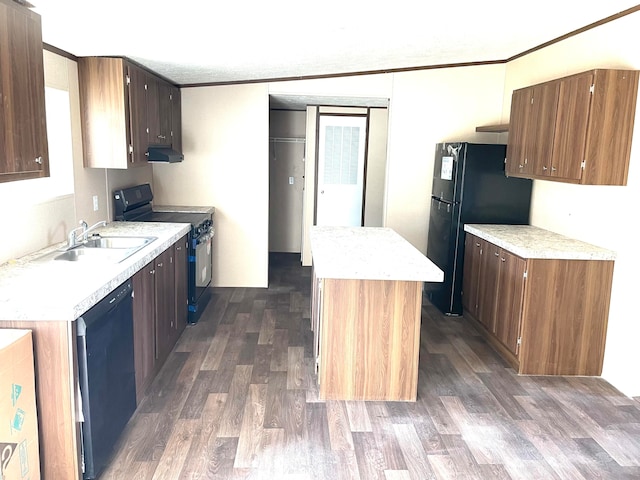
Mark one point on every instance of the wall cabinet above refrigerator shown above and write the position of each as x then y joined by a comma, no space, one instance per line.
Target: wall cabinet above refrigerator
125,109
576,129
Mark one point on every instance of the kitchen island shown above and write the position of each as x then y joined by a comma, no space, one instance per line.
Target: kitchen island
366,311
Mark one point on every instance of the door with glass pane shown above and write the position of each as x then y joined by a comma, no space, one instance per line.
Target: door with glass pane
341,159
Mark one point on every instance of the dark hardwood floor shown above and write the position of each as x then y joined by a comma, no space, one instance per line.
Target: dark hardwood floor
237,399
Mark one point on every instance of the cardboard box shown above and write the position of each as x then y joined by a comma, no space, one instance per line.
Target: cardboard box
19,453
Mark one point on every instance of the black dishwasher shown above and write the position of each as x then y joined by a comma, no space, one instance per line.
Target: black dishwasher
107,376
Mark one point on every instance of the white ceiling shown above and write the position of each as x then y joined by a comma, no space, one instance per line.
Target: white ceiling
212,41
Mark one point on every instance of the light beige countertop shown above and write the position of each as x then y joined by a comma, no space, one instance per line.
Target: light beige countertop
35,289
367,253
528,241
184,209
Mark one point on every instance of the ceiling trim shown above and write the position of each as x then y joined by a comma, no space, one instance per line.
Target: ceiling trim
343,74
59,51
593,25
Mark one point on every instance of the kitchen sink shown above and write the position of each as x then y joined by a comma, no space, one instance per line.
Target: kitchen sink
101,249
82,254
117,242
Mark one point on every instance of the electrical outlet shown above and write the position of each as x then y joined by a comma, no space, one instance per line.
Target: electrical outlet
95,203
290,180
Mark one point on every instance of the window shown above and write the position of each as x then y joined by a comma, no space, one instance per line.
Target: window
60,181
341,155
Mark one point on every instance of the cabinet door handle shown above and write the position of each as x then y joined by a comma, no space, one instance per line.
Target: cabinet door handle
160,265
544,169
502,258
162,137
477,244
496,254
553,169
151,272
39,160
178,248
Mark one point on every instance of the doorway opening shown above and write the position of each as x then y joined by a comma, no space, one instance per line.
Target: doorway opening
293,136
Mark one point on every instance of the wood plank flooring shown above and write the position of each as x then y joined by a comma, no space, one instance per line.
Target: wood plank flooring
238,399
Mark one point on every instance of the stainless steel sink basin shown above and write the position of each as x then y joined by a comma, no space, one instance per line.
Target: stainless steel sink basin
81,254
117,242
101,249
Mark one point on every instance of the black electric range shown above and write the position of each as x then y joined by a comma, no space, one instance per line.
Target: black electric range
134,204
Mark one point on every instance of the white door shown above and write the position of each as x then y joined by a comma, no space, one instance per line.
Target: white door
341,153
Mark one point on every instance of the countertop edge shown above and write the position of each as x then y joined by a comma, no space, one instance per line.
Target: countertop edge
184,209
565,248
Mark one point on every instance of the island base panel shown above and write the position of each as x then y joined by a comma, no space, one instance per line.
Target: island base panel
370,339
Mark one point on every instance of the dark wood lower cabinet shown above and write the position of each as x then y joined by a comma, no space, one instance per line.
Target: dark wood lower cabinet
144,326
165,304
488,291
473,258
159,311
509,291
546,316
181,249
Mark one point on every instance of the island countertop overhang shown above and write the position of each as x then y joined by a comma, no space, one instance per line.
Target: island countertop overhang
369,253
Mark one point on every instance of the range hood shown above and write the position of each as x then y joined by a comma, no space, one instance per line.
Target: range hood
163,154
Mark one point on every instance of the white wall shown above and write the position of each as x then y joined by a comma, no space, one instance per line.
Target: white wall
225,140
308,197
37,213
225,136
602,215
375,195
428,107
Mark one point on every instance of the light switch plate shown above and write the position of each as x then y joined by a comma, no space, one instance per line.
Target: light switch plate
95,203
290,180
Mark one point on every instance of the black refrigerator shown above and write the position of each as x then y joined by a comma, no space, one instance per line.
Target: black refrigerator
469,186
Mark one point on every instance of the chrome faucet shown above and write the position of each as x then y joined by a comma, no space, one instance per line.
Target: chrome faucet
74,238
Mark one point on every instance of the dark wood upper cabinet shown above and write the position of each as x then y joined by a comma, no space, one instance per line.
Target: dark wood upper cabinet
124,108
610,128
139,116
517,163
109,105
153,109
575,129
176,119
164,104
160,115
23,128
542,118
